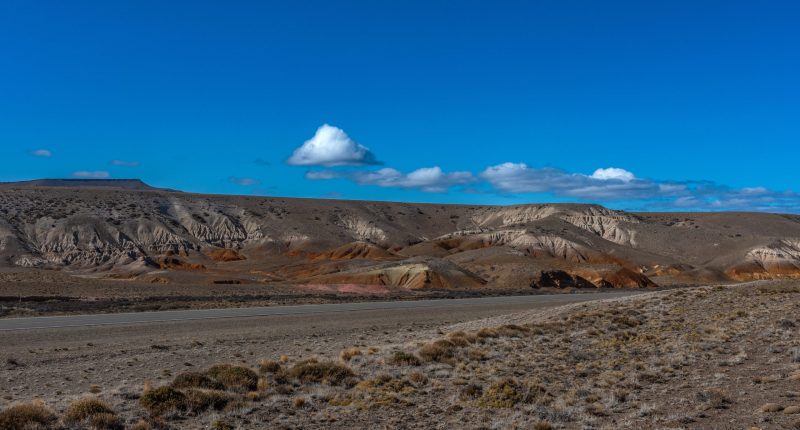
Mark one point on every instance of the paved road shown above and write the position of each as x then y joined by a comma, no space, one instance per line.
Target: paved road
54,322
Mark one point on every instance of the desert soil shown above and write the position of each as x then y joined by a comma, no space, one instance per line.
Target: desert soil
706,357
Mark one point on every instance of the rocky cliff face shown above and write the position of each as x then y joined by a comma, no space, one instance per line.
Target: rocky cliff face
138,231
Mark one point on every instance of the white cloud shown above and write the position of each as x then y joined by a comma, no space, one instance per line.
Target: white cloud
429,179
331,146
125,163
613,173
614,184
604,184
244,181
95,174
42,153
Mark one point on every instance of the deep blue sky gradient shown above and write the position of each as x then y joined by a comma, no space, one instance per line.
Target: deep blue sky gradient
197,91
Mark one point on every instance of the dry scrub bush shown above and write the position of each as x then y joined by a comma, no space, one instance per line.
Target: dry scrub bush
714,398
459,338
347,354
163,400
503,394
403,358
105,421
441,350
417,378
200,400
326,372
470,392
86,408
387,383
269,366
195,380
234,378
141,425
25,416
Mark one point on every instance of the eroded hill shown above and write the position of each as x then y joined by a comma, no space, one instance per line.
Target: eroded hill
136,232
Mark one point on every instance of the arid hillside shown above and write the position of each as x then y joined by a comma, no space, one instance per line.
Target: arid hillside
127,230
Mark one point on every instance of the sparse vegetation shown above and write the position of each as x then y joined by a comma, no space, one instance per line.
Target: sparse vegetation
25,416
441,350
671,358
234,378
196,380
326,372
163,400
404,359
269,366
349,353
84,409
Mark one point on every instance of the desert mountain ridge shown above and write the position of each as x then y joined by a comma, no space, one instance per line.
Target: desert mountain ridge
125,229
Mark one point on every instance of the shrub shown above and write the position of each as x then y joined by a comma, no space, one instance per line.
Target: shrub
347,354
80,410
195,380
141,425
503,394
511,330
25,416
234,378
404,358
162,400
269,366
105,421
459,338
326,372
715,398
487,332
440,350
470,392
418,378
201,400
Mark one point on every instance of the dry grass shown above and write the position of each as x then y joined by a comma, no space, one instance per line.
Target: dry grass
714,398
83,409
503,394
441,350
24,416
234,378
403,358
347,354
326,372
196,380
163,400
269,366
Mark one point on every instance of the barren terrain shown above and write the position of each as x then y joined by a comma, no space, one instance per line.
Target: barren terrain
705,357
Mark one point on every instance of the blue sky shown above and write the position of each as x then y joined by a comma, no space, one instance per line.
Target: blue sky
683,105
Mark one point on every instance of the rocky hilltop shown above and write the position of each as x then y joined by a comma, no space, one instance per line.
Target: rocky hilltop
128,230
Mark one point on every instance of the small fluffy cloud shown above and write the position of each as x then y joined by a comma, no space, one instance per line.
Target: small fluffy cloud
125,163
331,146
244,181
613,173
42,153
429,179
91,174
